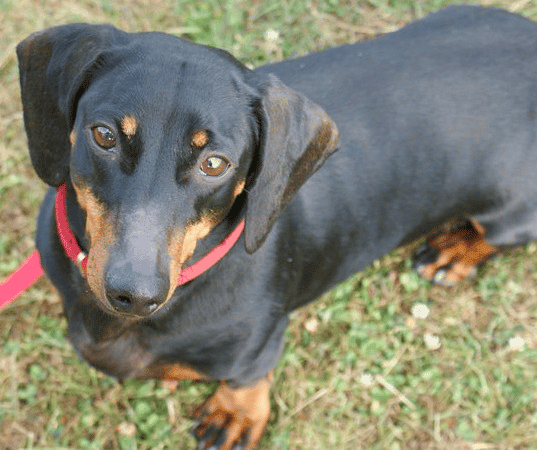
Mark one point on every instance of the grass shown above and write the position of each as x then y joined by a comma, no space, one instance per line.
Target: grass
359,370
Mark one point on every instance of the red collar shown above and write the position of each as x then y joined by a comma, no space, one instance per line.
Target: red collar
80,257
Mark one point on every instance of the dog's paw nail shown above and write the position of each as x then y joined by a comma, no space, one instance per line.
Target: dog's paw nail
424,255
420,250
204,440
440,276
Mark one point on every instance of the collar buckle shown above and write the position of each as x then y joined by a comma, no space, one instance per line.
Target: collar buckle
80,258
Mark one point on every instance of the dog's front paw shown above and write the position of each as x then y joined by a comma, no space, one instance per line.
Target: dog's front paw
448,258
233,419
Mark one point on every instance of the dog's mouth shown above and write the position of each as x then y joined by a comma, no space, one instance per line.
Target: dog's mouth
138,280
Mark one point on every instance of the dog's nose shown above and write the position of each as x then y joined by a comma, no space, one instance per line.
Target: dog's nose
135,294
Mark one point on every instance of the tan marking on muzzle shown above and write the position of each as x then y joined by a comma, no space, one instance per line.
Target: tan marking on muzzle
182,246
72,138
239,188
129,125
100,231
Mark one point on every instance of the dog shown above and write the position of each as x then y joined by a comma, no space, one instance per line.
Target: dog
194,203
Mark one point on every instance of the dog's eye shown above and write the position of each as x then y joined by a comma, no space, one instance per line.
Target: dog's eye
214,166
104,137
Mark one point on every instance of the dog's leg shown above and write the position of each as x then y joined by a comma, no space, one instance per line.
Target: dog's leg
234,419
447,258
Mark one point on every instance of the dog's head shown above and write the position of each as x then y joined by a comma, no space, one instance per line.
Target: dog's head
159,137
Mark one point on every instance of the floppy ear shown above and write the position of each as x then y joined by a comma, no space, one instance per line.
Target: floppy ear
297,135
54,65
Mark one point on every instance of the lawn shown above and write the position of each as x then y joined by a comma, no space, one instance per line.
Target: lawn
385,361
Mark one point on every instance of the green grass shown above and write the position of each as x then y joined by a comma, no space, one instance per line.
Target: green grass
357,372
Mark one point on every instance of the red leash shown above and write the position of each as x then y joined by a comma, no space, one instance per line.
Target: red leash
24,277
30,271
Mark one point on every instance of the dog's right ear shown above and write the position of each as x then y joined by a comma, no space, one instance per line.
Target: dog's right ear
55,66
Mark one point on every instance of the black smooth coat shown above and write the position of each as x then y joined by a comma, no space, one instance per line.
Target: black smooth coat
435,120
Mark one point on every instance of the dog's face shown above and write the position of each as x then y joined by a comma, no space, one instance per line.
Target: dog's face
161,149
159,138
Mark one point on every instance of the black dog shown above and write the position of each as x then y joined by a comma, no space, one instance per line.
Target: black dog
164,147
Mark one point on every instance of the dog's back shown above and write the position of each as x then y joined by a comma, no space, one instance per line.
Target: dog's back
436,120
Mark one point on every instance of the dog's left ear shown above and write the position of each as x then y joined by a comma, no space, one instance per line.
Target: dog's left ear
297,135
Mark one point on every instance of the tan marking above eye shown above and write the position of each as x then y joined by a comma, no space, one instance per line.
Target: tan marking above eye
200,139
129,125
104,137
